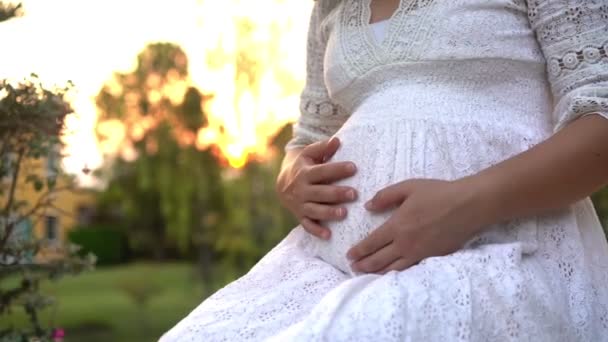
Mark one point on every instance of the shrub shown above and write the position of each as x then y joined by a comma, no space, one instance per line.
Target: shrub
108,244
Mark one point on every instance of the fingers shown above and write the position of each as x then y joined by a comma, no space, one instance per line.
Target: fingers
330,194
388,197
397,265
331,172
318,150
377,261
330,148
322,212
375,241
315,229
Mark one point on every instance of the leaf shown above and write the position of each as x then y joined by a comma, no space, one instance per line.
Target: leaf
31,178
20,204
51,182
38,185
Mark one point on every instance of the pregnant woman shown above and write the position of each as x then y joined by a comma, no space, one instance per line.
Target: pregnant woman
440,171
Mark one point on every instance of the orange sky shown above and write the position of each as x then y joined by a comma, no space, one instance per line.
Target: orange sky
85,41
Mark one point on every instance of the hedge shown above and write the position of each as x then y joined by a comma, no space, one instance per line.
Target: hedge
108,244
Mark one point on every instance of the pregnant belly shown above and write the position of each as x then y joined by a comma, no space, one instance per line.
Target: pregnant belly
391,151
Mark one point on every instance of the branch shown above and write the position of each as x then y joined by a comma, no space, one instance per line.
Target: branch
73,265
14,179
26,124
7,297
43,202
8,269
62,211
39,204
6,143
11,199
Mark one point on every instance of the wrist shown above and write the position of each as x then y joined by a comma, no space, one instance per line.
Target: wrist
281,182
482,200
286,176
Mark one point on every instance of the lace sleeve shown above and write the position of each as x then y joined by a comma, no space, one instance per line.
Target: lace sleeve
319,117
573,35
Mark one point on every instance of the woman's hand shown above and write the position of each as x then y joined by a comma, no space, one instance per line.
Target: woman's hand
304,187
433,218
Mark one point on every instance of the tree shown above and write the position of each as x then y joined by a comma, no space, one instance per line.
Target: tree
173,195
255,221
31,123
166,189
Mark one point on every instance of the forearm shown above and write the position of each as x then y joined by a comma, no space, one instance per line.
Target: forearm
567,167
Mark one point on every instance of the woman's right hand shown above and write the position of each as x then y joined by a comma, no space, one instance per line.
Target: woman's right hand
304,186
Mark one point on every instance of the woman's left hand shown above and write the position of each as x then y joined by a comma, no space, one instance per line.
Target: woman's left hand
433,218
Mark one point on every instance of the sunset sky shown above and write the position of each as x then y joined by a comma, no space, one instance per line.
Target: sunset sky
86,41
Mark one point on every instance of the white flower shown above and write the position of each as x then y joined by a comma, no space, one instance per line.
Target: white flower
570,60
554,68
592,54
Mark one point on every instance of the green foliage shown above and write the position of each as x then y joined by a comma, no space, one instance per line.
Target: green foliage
26,295
31,122
98,306
174,197
255,221
141,294
8,11
109,245
164,195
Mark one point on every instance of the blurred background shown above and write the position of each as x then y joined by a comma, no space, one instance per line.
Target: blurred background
158,133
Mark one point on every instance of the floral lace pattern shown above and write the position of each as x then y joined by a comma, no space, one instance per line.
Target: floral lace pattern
573,39
415,148
455,87
572,59
320,115
406,28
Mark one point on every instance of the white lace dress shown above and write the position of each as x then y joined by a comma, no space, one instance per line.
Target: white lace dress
455,86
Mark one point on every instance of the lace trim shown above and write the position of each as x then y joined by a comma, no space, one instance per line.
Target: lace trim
581,106
319,119
356,50
562,19
362,52
571,60
407,32
322,108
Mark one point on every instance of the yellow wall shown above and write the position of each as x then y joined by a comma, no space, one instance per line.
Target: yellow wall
66,202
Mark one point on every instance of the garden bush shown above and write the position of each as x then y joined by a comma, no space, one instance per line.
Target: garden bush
107,243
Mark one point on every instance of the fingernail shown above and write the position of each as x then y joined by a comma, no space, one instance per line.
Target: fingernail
351,167
369,205
325,235
340,212
350,194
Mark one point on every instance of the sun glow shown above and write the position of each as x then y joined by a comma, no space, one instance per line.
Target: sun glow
249,56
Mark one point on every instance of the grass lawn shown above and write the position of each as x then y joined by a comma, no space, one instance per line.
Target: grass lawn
136,302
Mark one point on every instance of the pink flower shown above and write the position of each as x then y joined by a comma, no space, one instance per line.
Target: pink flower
58,335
